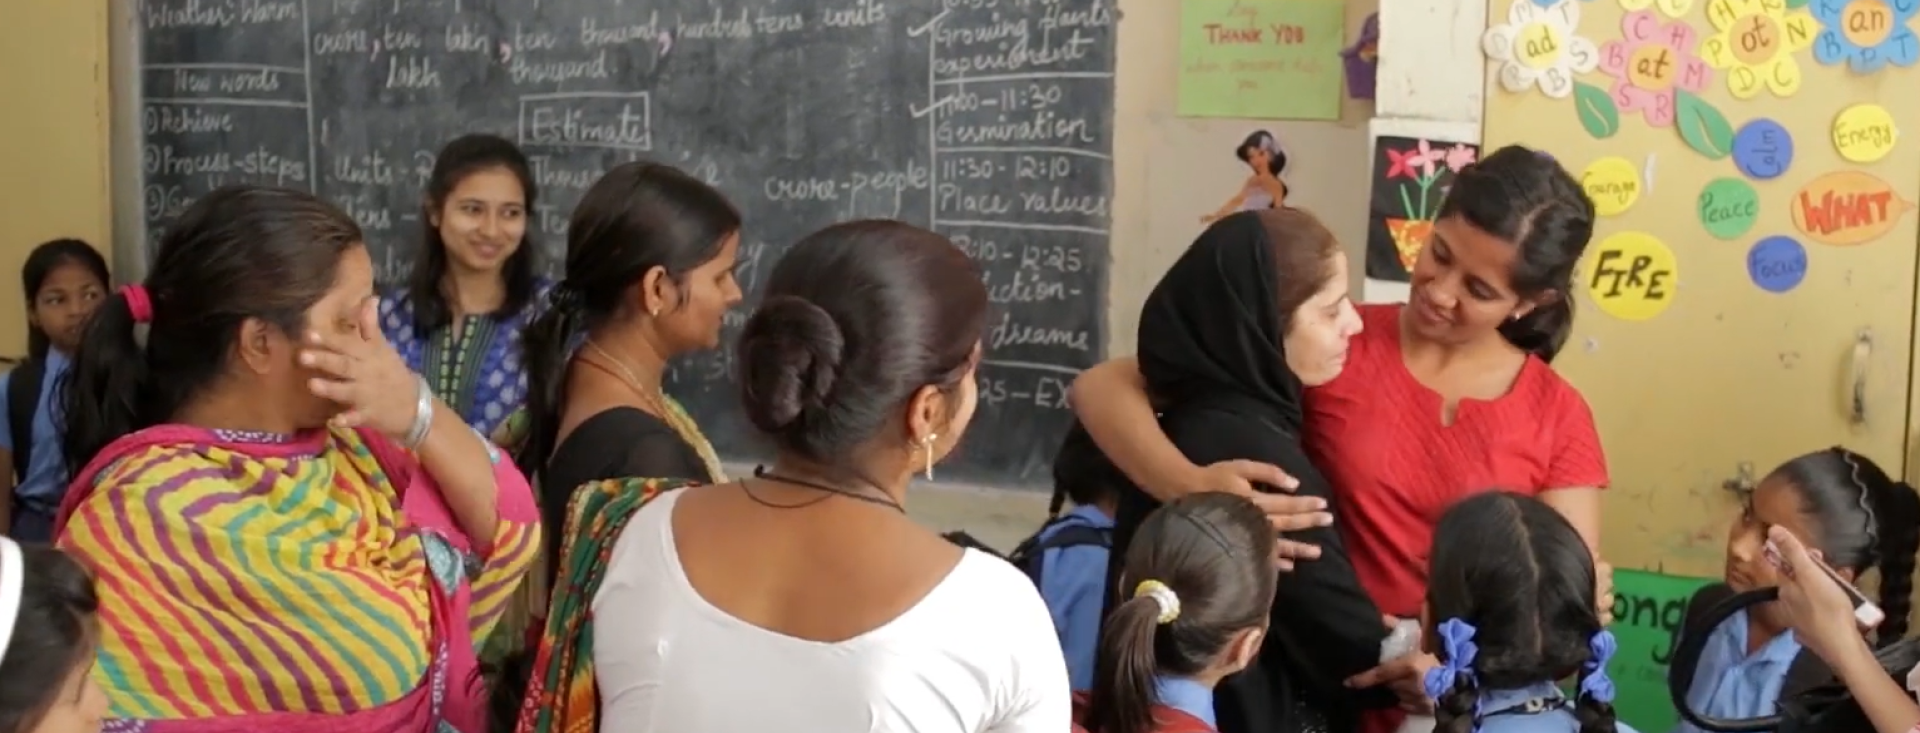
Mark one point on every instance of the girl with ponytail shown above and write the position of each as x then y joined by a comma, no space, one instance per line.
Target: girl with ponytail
1201,575
1838,503
1509,613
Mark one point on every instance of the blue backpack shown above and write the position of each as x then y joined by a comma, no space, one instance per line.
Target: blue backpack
1031,554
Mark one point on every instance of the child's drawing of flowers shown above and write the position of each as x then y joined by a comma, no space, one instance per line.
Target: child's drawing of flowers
1419,174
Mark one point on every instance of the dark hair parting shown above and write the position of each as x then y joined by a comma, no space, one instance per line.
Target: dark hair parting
1512,568
1527,199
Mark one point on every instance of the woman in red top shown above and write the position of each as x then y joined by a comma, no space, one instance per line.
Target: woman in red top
1445,396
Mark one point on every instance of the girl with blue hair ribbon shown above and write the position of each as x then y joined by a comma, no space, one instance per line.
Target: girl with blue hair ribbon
1509,613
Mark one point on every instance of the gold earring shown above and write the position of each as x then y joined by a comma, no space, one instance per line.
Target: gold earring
926,444
653,312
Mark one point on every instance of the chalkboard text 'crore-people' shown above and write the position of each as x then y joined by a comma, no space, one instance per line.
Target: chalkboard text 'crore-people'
915,176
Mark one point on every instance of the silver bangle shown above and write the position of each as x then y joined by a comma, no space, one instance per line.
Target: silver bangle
422,415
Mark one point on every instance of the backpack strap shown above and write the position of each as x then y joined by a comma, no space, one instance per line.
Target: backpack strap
1031,553
1074,535
23,400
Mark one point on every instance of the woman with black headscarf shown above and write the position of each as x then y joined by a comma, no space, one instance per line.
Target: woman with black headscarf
1255,311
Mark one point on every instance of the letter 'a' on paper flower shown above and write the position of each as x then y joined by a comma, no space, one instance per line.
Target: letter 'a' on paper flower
1755,43
1538,47
1650,63
1866,35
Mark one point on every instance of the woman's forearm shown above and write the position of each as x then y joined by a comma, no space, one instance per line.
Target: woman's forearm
462,464
1111,401
1581,508
1882,699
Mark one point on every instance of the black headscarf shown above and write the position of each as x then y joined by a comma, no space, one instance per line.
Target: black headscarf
1212,353
1211,329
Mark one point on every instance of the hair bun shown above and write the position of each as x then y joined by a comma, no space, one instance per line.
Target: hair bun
790,353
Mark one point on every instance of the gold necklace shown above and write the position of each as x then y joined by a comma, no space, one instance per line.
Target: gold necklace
669,411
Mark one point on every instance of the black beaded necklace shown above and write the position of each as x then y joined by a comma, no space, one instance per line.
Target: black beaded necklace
761,472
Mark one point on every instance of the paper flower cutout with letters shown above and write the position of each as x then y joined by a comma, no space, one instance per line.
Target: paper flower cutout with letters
1866,35
1538,47
1755,45
1650,63
1671,8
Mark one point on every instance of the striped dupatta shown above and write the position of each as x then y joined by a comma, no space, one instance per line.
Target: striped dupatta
292,584
561,696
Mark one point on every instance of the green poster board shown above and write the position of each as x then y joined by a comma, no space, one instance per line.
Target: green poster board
1647,609
1262,59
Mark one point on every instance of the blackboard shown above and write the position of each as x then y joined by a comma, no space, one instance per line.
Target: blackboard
989,121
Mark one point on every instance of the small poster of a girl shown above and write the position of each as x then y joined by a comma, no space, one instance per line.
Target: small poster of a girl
1264,189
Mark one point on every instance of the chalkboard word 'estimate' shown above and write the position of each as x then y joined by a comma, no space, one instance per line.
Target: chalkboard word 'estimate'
613,120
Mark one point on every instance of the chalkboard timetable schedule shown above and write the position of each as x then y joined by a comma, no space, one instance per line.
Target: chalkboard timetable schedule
989,121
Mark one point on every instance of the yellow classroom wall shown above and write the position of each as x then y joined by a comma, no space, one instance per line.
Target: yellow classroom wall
1693,368
53,140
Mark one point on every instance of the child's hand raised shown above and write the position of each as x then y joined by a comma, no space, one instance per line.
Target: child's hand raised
1406,676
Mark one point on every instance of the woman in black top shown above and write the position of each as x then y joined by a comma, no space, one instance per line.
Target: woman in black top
1251,314
649,276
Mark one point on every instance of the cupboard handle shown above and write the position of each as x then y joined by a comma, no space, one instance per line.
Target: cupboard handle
1862,353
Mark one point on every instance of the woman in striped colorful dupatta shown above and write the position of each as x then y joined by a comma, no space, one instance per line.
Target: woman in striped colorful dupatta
291,532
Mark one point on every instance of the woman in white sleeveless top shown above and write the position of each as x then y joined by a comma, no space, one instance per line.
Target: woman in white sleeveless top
803,599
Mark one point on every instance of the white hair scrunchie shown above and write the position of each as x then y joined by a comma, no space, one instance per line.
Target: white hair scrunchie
13,570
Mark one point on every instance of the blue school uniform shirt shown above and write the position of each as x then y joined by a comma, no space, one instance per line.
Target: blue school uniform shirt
480,373
37,499
1186,696
1538,708
1073,583
1728,683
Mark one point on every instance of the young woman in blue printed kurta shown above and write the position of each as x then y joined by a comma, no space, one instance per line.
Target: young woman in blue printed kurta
64,281
458,318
